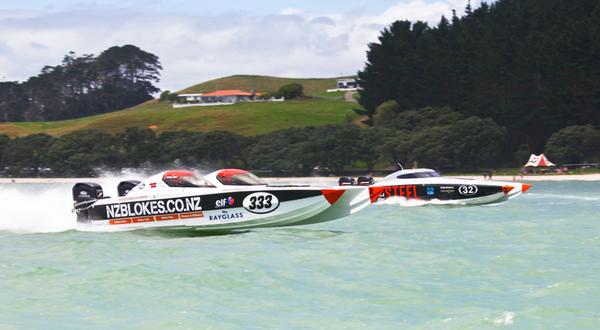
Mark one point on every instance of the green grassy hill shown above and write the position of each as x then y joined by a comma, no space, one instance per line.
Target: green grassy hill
241,118
312,86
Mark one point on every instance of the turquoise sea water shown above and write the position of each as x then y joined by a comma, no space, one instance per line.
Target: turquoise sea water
531,263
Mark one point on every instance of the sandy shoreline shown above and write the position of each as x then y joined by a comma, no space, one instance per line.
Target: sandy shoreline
325,180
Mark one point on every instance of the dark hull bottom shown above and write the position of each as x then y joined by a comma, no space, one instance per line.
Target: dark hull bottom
440,192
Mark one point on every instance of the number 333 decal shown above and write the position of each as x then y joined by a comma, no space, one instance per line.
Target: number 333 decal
261,202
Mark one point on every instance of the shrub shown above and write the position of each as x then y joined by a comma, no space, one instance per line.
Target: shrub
574,144
386,112
291,91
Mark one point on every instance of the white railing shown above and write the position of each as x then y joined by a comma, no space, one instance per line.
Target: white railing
208,104
351,89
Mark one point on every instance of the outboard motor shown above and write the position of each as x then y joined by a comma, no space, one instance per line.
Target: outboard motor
125,186
365,181
86,191
345,181
84,195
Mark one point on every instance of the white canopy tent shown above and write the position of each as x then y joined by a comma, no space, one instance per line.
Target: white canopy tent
538,161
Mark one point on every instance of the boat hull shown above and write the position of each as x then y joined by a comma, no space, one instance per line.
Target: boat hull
223,211
446,191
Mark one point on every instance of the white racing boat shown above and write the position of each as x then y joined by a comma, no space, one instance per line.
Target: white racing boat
428,185
224,200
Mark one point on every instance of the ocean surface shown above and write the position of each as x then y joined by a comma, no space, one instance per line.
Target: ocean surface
530,263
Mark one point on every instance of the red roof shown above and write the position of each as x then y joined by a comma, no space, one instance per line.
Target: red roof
228,92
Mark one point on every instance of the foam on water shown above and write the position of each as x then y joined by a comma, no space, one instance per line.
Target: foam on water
403,201
34,211
33,208
568,197
507,318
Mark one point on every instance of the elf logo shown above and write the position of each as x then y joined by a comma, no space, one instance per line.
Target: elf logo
224,202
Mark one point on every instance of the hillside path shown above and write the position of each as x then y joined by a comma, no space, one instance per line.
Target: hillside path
349,97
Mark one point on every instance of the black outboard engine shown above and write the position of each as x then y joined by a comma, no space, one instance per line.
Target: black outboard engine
365,181
86,191
345,181
125,186
84,195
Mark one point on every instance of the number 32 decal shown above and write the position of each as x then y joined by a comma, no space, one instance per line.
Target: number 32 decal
261,202
467,190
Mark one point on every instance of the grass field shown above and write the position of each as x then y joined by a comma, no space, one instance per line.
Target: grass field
242,118
312,86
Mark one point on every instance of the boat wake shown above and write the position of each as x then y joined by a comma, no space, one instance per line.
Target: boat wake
35,211
401,201
563,197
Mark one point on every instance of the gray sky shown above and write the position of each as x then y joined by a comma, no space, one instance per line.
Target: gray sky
201,40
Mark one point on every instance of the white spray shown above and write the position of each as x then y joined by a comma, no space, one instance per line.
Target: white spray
402,201
25,209
46,208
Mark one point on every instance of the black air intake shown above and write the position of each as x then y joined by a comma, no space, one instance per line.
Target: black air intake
365,181
346,181
125,186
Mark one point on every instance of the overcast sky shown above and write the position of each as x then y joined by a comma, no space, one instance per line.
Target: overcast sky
200,40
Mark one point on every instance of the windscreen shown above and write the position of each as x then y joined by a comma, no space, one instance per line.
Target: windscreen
184,179
419,175
239,178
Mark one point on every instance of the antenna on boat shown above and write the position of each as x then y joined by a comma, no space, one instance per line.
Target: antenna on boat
400,166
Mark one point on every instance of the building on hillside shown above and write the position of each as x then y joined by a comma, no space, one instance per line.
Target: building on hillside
219,97
229,96
190,98
345,85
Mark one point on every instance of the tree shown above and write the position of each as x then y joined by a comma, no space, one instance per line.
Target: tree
135,146
27,155
281,151
422,118
521,155
475,143
83,85
385,113
128,73
4,140
529,65
164,96
181,146
291,91
222,149
366,147
168,96
574,144
442,138
79,153
12,101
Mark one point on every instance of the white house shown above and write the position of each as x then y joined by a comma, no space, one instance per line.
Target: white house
220,97
191,97
345,85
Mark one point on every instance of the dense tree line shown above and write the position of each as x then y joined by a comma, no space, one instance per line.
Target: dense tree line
575,144
529,65
85,85
432,137
439,137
